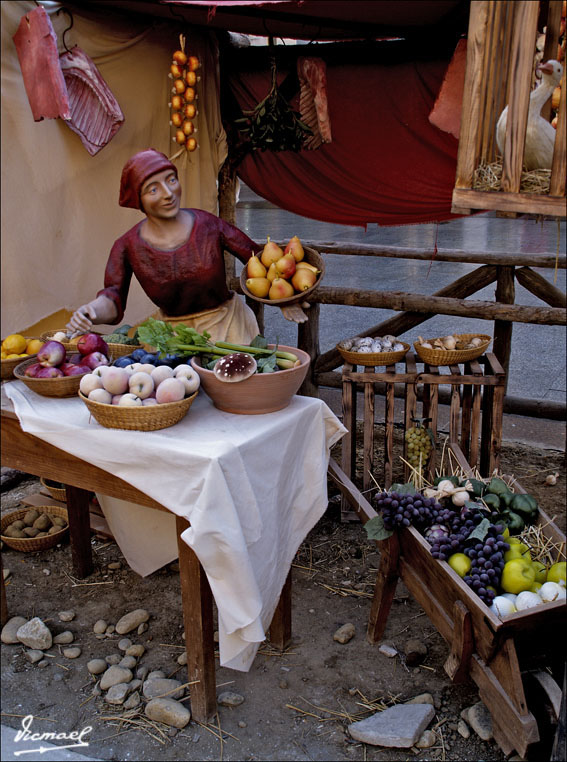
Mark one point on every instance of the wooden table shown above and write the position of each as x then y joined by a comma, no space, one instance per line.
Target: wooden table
29,454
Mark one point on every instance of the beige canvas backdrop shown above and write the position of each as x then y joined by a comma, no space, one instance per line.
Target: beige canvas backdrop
60,213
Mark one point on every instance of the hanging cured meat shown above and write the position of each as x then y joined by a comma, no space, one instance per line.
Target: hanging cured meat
36,45
95,114
313,107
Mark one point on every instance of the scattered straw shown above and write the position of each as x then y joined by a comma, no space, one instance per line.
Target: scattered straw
488,177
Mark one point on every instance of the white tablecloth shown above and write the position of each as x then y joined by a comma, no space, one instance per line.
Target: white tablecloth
251,486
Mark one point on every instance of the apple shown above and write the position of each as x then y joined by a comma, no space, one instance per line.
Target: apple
115,380
141,384
280,289
48,372
89,382
74,370
254,268
116,399
518,575
460,563
149,401
189,377
100,395
285,266
51,354
76,358
31,370
95,359
556,573
170,390
303,279
92,342
160,373
258,286
130,400
295,248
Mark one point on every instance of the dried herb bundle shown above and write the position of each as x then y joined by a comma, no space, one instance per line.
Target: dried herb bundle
273,125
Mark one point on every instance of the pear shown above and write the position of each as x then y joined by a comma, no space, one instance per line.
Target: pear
258,286
272,273
254,268
286,266
294,247
303,279
271,253
280,289
307,266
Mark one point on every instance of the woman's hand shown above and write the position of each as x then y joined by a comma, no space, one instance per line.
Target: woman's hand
100,310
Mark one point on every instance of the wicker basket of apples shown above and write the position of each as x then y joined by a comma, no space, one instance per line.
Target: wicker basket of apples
282,276
139,396
56,372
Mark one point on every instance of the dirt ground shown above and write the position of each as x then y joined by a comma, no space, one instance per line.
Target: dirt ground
297,705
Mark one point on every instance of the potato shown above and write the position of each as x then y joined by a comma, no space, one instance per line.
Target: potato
30,517
12,532
54,529
42,523
59,521
18,524
31,531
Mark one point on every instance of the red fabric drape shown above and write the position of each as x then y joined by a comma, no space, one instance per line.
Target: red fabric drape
386,164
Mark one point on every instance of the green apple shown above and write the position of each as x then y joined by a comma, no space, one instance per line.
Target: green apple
556,572
517,575
540,571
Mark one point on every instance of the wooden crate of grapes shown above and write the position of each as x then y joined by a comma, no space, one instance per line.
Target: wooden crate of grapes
505,656
476,400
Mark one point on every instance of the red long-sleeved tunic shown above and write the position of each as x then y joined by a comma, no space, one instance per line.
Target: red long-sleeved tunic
179,281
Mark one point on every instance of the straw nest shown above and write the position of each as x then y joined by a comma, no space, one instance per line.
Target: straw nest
487,177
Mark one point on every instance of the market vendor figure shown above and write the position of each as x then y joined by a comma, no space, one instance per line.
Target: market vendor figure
176,255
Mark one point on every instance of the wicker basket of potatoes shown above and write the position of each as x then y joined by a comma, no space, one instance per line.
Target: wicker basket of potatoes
33,529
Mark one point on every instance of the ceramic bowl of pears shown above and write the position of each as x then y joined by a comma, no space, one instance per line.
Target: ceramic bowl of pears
282,276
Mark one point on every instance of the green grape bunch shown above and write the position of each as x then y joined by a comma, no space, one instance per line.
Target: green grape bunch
418,444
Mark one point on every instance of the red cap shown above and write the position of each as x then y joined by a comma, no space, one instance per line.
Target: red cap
136,171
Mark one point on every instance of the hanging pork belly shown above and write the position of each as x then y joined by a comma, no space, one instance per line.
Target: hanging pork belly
36,45
95,114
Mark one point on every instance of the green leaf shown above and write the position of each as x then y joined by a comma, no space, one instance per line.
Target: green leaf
403,489
376,530
480,531
259,341
267,364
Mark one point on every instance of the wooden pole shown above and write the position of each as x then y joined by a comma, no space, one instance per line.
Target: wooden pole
541,287
308,340
227,207
505,294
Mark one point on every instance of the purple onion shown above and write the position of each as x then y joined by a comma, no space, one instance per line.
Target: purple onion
436,532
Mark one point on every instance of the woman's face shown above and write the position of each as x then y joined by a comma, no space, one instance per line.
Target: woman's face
160,195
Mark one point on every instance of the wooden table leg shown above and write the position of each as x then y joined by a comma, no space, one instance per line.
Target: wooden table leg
386,583
458,661
280,627
78,501
197,602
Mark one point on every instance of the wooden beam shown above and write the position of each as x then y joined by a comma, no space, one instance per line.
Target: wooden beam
526,203
540,287
505,294
516,258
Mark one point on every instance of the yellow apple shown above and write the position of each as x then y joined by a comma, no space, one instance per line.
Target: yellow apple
517,575
540,572
556,573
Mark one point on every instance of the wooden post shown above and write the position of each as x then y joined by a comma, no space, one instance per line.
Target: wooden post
308,340
227,207
78,501
505,294
197,605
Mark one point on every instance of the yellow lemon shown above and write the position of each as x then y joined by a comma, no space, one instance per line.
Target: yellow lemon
540,572
517,575
11,356
556,572
3,355
14,344
33,346
460,563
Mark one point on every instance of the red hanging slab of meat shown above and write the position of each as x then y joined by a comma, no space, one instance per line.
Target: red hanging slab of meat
36,45
95,114
313,108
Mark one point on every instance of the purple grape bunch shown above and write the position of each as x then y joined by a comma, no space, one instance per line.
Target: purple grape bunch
448,532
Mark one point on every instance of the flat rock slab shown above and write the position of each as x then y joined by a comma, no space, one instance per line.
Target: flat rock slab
398,727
